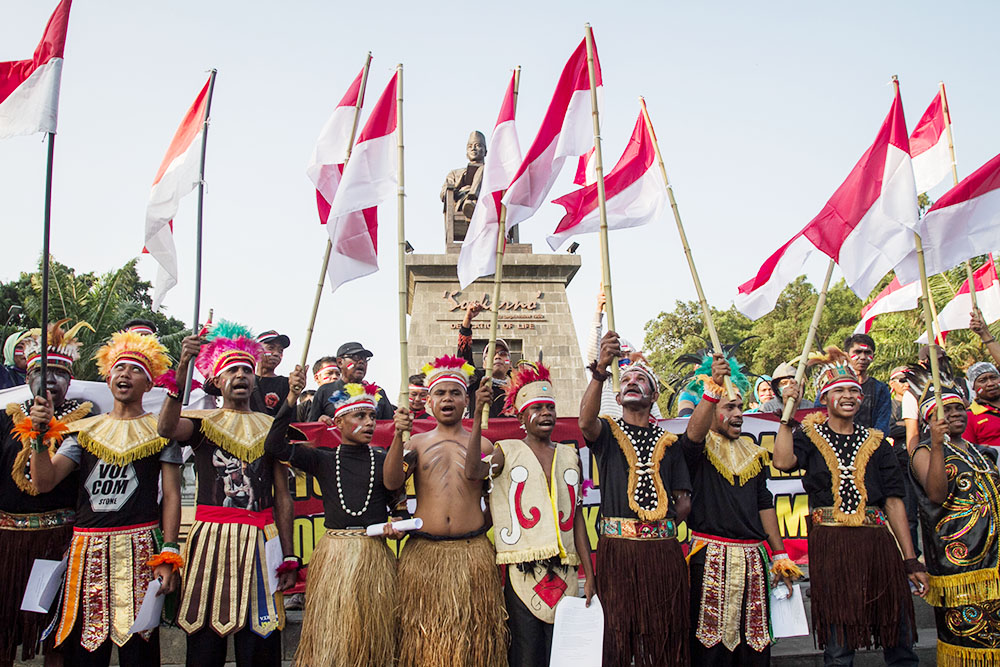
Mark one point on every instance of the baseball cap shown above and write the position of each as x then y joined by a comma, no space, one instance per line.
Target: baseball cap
353,348
273,336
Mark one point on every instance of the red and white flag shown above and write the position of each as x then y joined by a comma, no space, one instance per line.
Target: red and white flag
327,163
179,174
586,168
567,131
929,146
963,223
866,226
478,256
957,313
369,178
635,191
894,298
29,89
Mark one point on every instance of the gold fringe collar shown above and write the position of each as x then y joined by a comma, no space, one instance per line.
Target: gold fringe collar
860,463
17,472
662,499
242,434
738,460
119,441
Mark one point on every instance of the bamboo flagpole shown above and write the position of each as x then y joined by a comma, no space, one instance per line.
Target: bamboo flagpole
705,311
800,368
498,274
954,176
928,323
46,233
198,234
609,302
404,363
329,242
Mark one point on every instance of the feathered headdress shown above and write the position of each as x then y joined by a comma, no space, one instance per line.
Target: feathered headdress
64,348
354,396
529,384
697,361
635,361
834,370
921,385
230,344
448,369
143,350
703,373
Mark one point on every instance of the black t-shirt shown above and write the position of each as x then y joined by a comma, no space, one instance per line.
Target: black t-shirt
226,481
719,507
15,501
321,404
614,470
268,394
883,477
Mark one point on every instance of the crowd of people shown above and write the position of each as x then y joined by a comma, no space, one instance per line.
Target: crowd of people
103,490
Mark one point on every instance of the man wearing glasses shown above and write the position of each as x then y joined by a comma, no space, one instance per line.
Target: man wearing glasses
352,358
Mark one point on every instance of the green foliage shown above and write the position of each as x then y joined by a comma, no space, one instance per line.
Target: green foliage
107,301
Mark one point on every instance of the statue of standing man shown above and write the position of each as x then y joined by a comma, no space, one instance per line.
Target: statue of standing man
467,180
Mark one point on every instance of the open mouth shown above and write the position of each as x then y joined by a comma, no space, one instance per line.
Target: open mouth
123,385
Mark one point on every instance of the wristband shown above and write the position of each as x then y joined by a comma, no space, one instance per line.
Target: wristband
785,567
779,555
912,566
600,376
173,545
711,398
991,340
292,558
167,557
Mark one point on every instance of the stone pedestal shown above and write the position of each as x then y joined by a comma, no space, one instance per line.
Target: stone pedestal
534,314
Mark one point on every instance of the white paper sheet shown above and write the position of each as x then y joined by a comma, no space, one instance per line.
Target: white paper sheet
788,614
43,584
403,526
151,609
578,633
274,557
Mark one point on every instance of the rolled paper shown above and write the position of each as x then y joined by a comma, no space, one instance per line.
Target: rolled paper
375,530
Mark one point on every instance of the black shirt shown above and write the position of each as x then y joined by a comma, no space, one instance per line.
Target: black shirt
321,404
268,394
480,376
883,477
614,470
719,507
226,481
15,501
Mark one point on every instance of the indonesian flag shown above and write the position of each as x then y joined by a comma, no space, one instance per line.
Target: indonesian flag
929,146
586,168
327,163
894,298
179,174
478,255
29,89
866,226
368,179
567,131
963,223
958,312
636,193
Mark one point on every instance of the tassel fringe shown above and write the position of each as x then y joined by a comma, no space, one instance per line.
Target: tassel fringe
954,590
949,655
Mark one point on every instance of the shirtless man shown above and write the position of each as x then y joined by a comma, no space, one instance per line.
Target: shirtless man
449,586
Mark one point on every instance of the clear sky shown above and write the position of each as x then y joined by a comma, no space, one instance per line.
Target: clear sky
761,110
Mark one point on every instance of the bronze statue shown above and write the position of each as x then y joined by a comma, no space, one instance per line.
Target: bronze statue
465,182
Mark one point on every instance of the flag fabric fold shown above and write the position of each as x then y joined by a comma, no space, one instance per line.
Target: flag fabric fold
634,190
894,298
957,313
478,253
368,179
567,131
29,89
178,175
929,147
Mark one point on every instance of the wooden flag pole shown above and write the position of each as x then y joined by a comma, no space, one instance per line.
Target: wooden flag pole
329,243
705,311
46,229
954,176
198,233
404,363
928,324
609,302
498,276
800,368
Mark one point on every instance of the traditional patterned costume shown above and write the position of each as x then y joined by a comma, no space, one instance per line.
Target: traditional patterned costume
226,588
533,511
730,582
350,615
32,525
450,594
859,591
642,579
960,540
117,533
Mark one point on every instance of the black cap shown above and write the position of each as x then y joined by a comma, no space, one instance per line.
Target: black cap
273,336
353,348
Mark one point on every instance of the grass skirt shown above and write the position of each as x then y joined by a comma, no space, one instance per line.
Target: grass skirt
350,616
452,612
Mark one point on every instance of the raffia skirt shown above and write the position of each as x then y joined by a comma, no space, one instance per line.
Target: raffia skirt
350,615
451,604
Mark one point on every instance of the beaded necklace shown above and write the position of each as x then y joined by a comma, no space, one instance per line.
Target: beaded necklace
846,448
371,483
966,454
644,442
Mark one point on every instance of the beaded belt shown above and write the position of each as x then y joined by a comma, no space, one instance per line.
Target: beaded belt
346,532
723,541
823,516
116,530
637,529
41,521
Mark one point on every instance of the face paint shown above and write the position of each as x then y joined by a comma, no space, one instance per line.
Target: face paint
350,365
533,416
724,419
229,383
357,428
836,403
